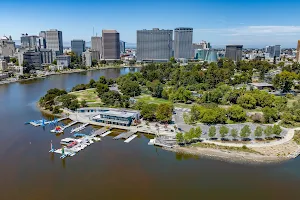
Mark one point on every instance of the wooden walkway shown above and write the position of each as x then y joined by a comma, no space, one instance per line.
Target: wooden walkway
124,135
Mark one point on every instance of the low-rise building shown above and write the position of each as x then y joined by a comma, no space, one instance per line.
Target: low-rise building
63,60
112,116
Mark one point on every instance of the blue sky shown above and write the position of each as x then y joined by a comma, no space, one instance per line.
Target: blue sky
254,23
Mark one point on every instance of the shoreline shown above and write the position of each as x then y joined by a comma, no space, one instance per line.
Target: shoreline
229,156
47,112
4,82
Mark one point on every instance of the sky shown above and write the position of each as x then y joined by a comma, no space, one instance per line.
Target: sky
253,23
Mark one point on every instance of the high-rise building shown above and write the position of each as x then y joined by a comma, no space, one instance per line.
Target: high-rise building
154,45
234,52
78,46
273,51
110,45
54,42
42,40
202,45
122,46
33,58
298,52
97,46
87,58
183,42
7,46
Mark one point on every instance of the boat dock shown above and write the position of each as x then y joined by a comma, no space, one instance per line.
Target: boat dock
80,128
124,135
44,122
70,124
130,138
100,132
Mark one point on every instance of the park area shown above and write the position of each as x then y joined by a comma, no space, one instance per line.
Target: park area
88,95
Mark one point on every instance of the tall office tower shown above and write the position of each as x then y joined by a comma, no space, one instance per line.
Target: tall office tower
42,40
122,46
110,45
298,52
277,51
30,42
78,47
154,45
97,46
54,42
183,42
273,51
234,52
7,46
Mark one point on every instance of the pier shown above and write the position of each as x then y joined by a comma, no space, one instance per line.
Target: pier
44,122
100,132
130,138
81,127
124,135
70,124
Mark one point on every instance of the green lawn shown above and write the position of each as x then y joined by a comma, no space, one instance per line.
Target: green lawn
291,101
89,95
149,99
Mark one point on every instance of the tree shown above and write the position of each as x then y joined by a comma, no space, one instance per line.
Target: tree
247,101
234,133
83,104
270,114
287,118
103,62
198,132
74,105
148,111
245,132
164,112
92,83
258,131
101,89
111,98
276,130
132,62
172,60
130,88
13,60
284,80
268,131
236,113
54,62
179,138
102,80
223,131
94,62
212,131
56,110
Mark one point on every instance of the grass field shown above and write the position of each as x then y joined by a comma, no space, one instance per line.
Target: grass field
291,101
149,99
89,95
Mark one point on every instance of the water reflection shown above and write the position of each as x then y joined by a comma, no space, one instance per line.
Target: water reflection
183,156
63,162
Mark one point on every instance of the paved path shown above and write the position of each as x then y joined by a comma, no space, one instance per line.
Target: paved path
287,138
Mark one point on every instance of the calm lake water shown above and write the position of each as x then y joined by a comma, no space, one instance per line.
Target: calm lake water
113,169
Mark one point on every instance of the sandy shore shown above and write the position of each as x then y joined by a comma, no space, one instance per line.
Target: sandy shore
230,156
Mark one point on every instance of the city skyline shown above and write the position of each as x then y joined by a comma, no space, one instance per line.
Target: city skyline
219,22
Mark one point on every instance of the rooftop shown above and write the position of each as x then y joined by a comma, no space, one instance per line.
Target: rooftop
109,31
118,113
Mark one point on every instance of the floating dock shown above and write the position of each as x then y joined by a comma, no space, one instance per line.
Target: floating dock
124,135
130,138
44,122
80,128
105,134
100,132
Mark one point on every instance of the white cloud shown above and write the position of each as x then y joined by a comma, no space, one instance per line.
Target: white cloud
251,35
254,30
